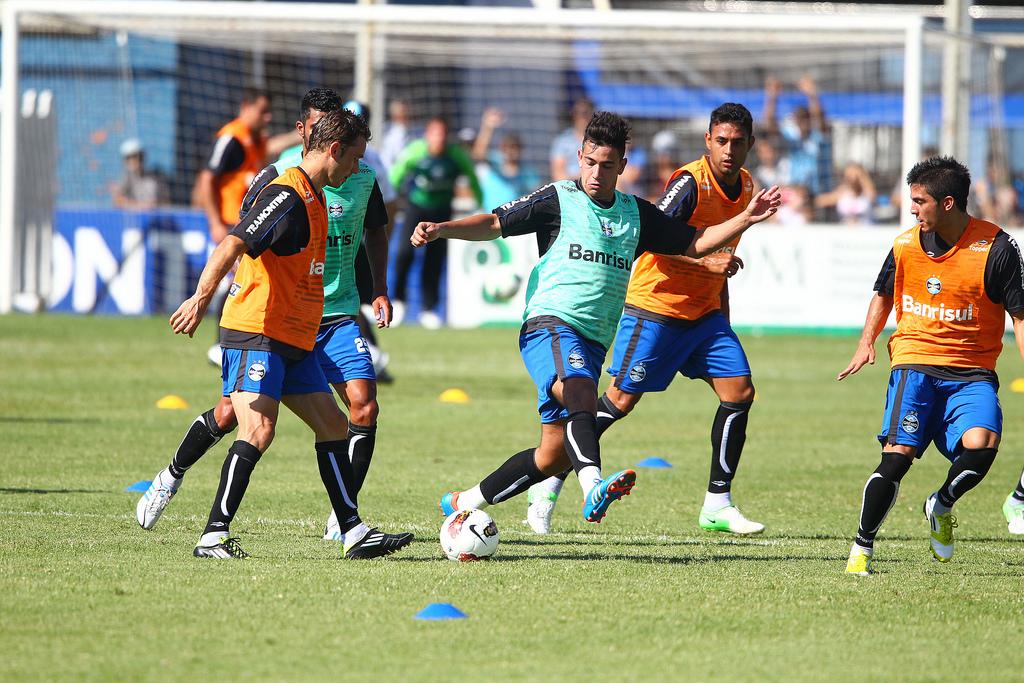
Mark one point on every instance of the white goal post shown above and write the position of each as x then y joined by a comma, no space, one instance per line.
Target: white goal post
375,36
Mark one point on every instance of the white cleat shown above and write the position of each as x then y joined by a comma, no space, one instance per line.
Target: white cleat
730,520
397,313
332,532
152,503
431,321
1013,510
540,507
941,530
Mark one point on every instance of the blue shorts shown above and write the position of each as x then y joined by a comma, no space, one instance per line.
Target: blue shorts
343,353
648,354
271,374
921,409
558,352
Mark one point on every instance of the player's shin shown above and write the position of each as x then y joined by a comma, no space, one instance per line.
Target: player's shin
880,492
234,479
1018,493
965,473
584,451
361,440
728,435
607,415
513,477
202,435
339,479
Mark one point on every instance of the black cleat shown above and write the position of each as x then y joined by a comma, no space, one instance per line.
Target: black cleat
228,549
376,543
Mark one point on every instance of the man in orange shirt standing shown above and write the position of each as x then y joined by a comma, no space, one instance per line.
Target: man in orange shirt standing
269,329
953,279
676,321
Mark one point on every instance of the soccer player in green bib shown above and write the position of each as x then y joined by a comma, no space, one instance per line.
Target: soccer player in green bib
588,236
341,350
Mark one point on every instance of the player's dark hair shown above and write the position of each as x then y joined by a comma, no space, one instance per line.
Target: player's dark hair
942,177
251,93
320,99
732,112
340,126
608,130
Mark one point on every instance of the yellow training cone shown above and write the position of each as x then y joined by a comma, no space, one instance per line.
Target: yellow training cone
1017,385
454,396
172,402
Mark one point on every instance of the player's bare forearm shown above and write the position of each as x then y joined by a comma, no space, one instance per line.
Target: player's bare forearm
763,205
476,228
874,323
1018,331
377,254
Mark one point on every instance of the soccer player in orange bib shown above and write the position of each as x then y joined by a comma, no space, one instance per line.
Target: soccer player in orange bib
269,329
953,278
676,320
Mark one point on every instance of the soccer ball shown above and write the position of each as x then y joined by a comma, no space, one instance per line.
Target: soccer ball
469,535
501,283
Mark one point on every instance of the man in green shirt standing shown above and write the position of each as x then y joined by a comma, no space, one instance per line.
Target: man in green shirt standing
588,236
426,172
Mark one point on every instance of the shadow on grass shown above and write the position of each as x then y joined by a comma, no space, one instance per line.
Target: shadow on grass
45,491
45,420
642,559
898,537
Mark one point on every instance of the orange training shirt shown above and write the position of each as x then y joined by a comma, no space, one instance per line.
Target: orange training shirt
282,297
232,186
943,315
668,286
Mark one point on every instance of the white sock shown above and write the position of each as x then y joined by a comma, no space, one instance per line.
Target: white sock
717,501
355,534
589,477
866,551
551,485
939,508
212,538
471,499
167,479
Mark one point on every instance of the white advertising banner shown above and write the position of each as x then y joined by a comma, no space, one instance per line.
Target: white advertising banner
808,277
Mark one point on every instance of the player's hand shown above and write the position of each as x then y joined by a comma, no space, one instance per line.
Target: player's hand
865,355
382,310
807,86
186,319
723,264
425,233
764,204
492,118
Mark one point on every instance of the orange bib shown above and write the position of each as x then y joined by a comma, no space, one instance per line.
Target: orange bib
664,284
282,297
232,186
943,315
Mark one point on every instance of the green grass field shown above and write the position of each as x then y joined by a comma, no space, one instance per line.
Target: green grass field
87,595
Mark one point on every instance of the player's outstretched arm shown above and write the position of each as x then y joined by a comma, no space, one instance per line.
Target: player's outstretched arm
476,228
377,253
762,206
878,313
186,319
1018,331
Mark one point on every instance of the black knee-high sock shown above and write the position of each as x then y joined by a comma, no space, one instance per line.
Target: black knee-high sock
234,479
361,441
1018,492
581,442
965,473
514,476
607,414
880,493
339,480
202,435
728,434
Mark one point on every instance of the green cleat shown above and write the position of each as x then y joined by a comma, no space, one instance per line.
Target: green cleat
728,519
1013,510
942,530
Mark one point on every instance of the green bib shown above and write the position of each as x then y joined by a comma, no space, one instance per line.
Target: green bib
582,278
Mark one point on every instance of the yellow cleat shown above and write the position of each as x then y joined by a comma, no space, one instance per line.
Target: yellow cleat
859,563
942,530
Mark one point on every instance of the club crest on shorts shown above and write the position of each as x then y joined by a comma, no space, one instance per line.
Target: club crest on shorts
335,210
910,422
257,371
933,285
638,372
576,360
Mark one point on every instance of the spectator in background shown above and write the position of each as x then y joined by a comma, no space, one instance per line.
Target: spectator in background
771,169
807,144
853,199
564,162
797,208
634,176
503,177
995,195
139,188
426,172
664,162
397,132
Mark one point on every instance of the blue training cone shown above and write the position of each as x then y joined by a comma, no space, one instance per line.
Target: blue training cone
437,611
141,486
655,463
